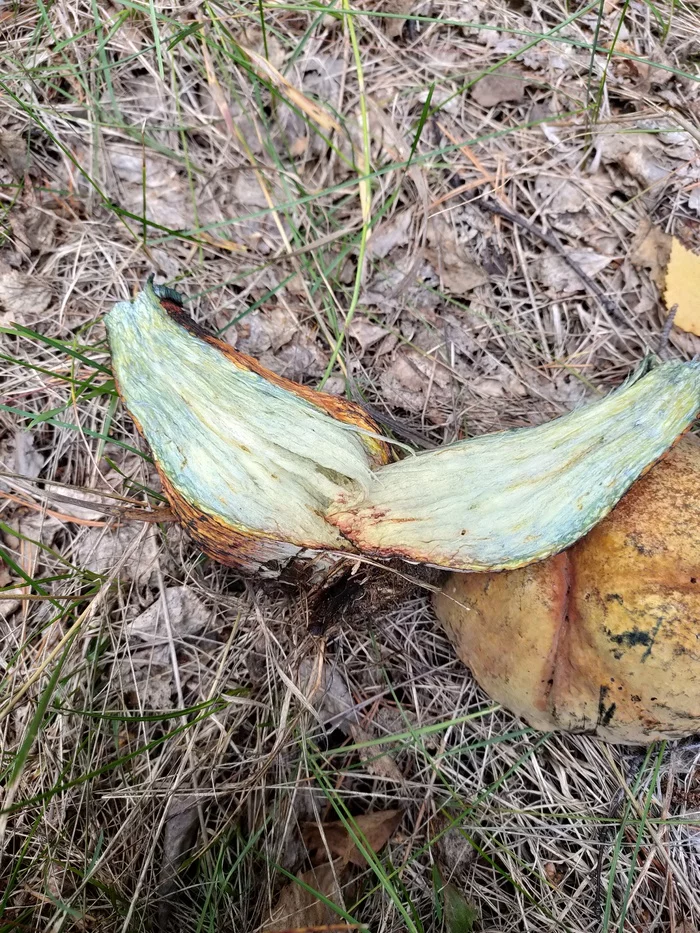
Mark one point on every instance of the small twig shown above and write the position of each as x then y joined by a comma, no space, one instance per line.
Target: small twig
132,510
128,515
161,514
35,597
666,331
394,424
606,303
59,516
608,306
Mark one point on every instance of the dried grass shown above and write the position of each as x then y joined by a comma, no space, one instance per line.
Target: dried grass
124,151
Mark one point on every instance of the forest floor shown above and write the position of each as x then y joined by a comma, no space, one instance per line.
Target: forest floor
377,199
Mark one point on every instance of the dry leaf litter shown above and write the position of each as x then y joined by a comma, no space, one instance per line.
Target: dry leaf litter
197,730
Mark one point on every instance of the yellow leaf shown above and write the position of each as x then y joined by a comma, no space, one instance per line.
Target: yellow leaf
683,287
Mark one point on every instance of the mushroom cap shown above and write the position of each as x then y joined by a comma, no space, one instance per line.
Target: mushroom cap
603,638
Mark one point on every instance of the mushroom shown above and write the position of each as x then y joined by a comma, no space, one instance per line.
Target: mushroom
603,638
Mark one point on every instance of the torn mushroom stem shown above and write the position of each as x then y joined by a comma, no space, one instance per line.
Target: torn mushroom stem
250,462
505,500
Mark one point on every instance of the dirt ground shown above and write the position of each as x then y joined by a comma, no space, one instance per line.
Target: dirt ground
457,211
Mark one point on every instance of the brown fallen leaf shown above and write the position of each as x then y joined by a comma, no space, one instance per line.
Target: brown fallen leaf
300,360
553,873
329,692
389,235
373,829
32,532
366,333
498,88
683,287
14,153
382,766
556,274
563,196
18,454
393,25
405,371
650,250
299,908
99,549
23,298
641,155
269,330
458,272
32,230
178,841
416,384
186,615
626,69
694,200
169,201
9,604
147,672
